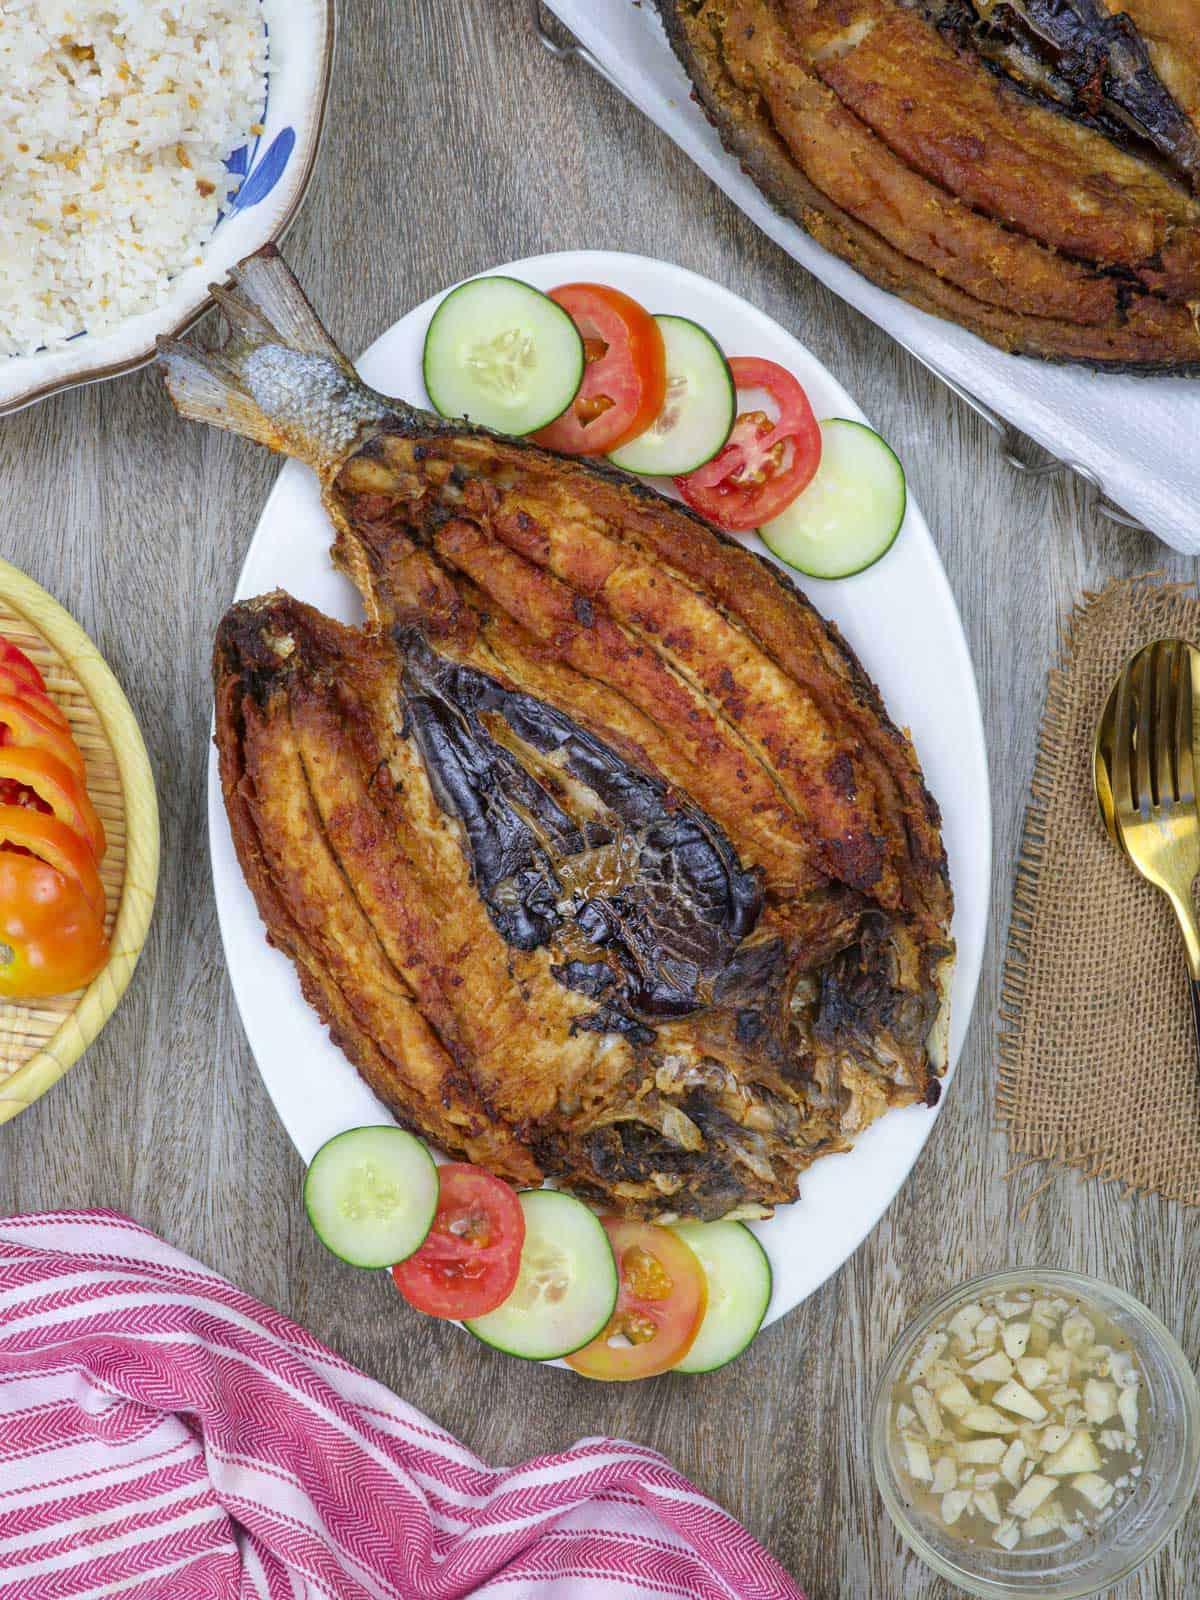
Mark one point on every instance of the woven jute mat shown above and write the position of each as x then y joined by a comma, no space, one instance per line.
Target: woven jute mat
1097,1056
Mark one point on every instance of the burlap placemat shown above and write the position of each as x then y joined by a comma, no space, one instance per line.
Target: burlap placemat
1097,1055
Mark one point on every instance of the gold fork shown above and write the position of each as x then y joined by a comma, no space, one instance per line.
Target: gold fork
1144,767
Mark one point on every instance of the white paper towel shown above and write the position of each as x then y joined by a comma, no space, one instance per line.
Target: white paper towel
1139,437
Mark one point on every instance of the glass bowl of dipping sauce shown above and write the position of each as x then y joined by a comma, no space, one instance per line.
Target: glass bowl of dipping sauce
1036,1433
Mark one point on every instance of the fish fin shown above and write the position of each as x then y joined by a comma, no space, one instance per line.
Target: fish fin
265,291
280,379
204,388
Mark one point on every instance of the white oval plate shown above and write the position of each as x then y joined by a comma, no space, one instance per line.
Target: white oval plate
900,618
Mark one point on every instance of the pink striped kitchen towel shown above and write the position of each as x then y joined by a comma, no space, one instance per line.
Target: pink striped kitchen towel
165,1437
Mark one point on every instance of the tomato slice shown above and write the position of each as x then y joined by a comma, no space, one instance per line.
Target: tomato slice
22,723
660,1305
764,465
624,376
54,782
25,829
468,1264
11,683
52,939
18,663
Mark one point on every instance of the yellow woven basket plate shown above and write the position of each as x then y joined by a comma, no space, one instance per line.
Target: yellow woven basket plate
40,1040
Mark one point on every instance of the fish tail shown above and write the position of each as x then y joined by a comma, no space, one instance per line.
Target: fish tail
279,379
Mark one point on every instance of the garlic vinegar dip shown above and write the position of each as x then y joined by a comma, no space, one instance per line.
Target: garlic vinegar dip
1035,1433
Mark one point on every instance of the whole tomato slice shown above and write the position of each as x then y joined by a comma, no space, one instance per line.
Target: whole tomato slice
764,465
17,662
54,783
661,1302
23,724
51,938
22,689
469,1262
25,829
624,377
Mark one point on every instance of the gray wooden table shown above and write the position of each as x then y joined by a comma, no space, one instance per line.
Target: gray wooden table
455,142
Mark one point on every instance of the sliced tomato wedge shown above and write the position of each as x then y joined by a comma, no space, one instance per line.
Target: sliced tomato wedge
42,835
469,1262
22,723
764,464
13,684
624,376
18,663
52,938
661,1302
54,782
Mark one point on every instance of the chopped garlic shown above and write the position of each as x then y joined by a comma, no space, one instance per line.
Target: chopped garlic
1008,1534
927,1410
917,1457
1033,1371
1053,1438
955,1397
1099,1399
1094,1488
945,1475
1047,1520
962,1325
1078,1333
1016,1307
1031,1495
986,1419
1015,1339
1121,1368
987,1505
1079,1454
996,1368
1010,1466
953,1506
1062,1362
929,1352
1016,1398
980,1451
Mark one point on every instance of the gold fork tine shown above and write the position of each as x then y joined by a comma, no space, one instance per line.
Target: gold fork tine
1184,732
1165,689
1143,738
1122,767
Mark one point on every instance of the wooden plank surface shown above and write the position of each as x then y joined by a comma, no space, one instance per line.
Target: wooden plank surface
138,523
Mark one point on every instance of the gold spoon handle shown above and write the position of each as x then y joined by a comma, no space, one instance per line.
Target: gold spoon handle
1185,915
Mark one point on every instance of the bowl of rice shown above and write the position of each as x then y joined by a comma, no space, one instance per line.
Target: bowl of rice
146,146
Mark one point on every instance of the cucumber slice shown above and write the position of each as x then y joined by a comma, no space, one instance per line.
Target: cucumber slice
739,1291
501,353
850,514
698,413
371,1195
566,1290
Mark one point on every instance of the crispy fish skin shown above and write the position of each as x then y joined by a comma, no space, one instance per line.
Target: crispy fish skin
918,164
596,848
311,915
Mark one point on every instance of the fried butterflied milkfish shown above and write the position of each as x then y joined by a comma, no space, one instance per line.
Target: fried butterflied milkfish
1027,168
595,847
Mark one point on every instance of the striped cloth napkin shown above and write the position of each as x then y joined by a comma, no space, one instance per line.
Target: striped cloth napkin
165,1437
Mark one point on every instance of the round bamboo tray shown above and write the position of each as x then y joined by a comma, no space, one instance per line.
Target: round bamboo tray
40,1039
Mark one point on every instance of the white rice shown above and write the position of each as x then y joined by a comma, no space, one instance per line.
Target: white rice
115,123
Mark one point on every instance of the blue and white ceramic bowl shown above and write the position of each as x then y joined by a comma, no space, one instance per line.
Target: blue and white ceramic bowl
278,164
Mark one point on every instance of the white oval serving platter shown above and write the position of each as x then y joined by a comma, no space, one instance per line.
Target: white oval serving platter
899,616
